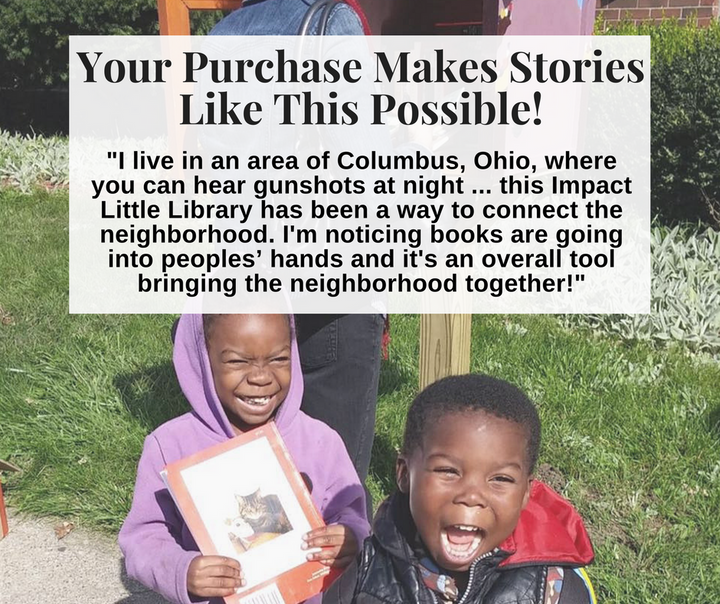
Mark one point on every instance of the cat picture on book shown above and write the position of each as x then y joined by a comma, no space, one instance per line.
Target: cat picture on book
260,519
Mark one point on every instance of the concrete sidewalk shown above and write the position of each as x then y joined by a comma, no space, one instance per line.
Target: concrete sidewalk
81,568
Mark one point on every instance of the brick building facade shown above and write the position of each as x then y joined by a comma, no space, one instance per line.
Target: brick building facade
653,10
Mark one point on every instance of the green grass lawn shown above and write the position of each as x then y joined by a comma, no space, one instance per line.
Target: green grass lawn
631,433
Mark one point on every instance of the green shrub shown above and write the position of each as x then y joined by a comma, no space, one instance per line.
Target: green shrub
34,33
685,298
27,162
685,118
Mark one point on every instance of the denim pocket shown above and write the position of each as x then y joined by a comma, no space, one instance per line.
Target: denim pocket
321,348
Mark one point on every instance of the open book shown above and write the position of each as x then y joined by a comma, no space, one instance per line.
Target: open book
245,499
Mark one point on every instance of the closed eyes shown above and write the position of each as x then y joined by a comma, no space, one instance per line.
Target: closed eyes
506,479
446,470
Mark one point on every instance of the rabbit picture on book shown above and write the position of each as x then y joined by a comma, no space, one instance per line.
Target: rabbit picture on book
259,519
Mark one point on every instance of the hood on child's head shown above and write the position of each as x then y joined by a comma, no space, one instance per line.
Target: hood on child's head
192,366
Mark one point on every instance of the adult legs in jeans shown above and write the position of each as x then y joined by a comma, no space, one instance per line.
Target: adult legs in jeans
340,356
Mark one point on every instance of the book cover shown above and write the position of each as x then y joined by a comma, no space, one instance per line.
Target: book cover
245,499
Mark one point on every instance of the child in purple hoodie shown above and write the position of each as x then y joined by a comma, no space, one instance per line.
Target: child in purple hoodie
237,372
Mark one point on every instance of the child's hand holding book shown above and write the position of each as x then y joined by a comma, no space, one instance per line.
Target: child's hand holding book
337,543
214,576
262,535
221,576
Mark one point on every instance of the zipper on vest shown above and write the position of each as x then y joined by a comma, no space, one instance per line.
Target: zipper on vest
473,566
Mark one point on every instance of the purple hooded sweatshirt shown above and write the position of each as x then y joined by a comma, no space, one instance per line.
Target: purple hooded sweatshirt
157,545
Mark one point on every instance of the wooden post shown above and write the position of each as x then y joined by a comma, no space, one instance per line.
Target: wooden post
3,516
174,18
444,346
5,465
174,15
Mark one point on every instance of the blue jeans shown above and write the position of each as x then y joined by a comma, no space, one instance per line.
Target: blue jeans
283,18
340,356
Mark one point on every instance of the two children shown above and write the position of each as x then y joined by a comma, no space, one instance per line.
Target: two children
468,523
237,372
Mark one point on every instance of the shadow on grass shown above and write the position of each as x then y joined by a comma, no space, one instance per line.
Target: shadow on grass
714,422
382,464
395,376
152,395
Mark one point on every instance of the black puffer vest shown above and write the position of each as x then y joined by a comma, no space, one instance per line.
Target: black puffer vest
388,570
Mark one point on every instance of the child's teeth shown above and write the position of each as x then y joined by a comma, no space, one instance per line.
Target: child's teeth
461,549
257,400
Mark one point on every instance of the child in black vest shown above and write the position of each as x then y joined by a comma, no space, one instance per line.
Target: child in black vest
469,524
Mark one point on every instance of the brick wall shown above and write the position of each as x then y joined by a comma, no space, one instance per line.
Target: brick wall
654,10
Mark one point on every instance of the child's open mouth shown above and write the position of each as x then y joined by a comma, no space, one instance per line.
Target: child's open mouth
461,543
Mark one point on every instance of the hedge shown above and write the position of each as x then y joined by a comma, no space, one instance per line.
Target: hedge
685,118
34,34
